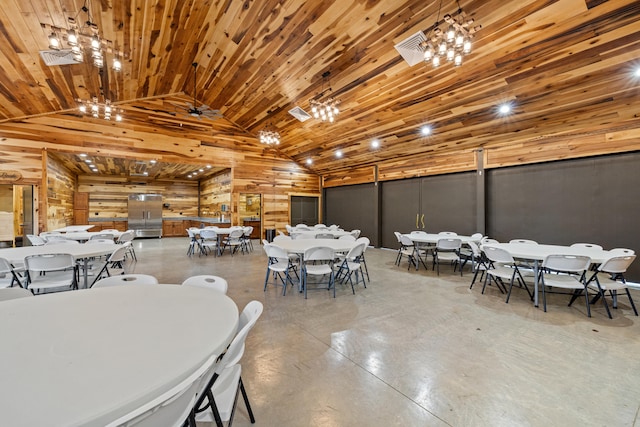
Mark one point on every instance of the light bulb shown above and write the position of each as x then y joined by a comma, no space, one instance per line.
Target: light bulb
54,42
95,43
466,48
72,38
451,33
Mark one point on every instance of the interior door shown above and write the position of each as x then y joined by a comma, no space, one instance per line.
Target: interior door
400,209
448,203
304,210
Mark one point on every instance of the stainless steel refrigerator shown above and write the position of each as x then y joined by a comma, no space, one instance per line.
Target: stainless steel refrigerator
145,214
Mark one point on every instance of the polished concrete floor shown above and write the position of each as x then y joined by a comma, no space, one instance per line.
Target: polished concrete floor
414,349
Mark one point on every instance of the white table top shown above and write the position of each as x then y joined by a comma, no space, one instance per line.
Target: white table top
298,246
336,233
84,358
73,228
540,252
86,235
433,238
79,251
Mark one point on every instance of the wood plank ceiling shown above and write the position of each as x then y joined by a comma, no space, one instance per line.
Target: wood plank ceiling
565,65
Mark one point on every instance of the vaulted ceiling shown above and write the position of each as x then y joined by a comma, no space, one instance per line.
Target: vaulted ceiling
565,66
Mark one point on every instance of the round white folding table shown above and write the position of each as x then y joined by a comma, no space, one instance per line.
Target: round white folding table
335,233
298,246
87,357
73,228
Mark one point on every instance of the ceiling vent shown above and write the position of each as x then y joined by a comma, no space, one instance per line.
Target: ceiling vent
58,57
299,114
411,49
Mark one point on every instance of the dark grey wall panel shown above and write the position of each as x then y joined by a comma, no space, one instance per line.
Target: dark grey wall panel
449,203
304,210
400,203
590,200
353,207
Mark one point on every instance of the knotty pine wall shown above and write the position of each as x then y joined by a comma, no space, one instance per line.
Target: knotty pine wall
571,146
109,196
215,192
61,184
275,180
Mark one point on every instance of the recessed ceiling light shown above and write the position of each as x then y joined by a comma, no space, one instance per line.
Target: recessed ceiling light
88,161
338,154
375,143
637,73
309,161
153,162
189,176
426,130
200,170
145,173
504,109
82,155
208,166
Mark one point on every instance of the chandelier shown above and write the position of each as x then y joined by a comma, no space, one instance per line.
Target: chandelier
100,110
450,45
269,137
83,40
326,110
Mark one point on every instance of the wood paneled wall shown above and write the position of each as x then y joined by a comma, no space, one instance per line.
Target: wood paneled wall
25,159
109,196
276,180
61,184
215,192
544,149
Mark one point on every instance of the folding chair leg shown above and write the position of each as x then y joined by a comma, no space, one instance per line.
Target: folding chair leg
246,402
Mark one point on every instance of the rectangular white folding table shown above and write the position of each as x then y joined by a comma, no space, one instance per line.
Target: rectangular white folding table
82,251
538,252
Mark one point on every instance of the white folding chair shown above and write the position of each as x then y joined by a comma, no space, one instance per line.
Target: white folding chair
352,263
9,275
503,267
35,240
116,259
571,271
447,249
234,242
127,238
209,242
172,408
104,236
207,281
217,400
318,261
279,263
51,272
609,277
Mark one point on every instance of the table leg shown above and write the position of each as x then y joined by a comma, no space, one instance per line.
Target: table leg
86,273
536,275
